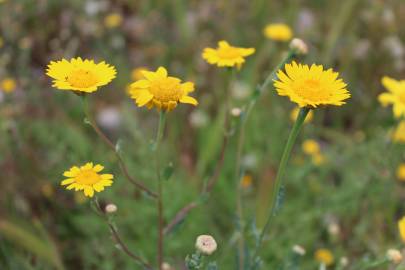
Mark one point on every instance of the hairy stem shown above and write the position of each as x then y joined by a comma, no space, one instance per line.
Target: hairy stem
111,145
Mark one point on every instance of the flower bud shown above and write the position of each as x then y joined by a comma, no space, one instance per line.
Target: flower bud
299,46
206,244
111,208
394,256
299,250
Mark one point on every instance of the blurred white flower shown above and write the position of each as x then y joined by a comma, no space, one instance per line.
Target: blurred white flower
109,118
236,111
166,266
94,7
249,161
305,21
361,49
344,261
334,229
394,45
299,46
240,90
198,118
206,244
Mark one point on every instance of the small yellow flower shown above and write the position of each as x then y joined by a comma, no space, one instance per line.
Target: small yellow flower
247,181
278,32
8,85
318,159
87,178
311,147
159,90
113,20
80,75
399,133
311,86
294,115
137,73
226,55
401,172
324,256
395,95
401,228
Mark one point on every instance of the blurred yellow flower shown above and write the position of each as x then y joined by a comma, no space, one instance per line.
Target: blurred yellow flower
395,95
80,75
278,32
294,115
226,55
401,172
401,228
136,73
8,85
311,86
324,256
318,159
87,178
311,147
159,90
113,20
247,181
399,133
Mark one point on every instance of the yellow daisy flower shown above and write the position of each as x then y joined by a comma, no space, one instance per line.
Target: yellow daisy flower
159,90
399,133
80,75
136,73
8,85
278,32
324,256
401,228
401,172
226,55
87,178
311,86
395,95
294,115
247,181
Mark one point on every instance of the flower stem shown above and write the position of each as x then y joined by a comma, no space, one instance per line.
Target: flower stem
280,173
159,136
111,145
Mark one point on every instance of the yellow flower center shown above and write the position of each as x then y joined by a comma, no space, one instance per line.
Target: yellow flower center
311,89
228,53
87,177
81,78
166,89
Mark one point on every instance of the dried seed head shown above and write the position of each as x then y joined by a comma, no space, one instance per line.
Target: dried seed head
206,244
299,46
394,256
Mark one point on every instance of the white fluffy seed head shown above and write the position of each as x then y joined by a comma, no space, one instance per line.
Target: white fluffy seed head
299,46
206,244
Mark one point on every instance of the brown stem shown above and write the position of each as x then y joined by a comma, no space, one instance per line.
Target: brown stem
125,248
122,165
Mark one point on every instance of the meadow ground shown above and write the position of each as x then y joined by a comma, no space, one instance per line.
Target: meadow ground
338,203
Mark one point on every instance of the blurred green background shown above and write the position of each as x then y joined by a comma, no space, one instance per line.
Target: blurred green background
349,204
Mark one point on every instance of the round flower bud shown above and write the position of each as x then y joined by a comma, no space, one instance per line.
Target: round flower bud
299,46
206,244
394,256
236,112
299,250
110,208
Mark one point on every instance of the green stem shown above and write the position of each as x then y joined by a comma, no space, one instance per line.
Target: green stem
89,120
159,136
280,173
